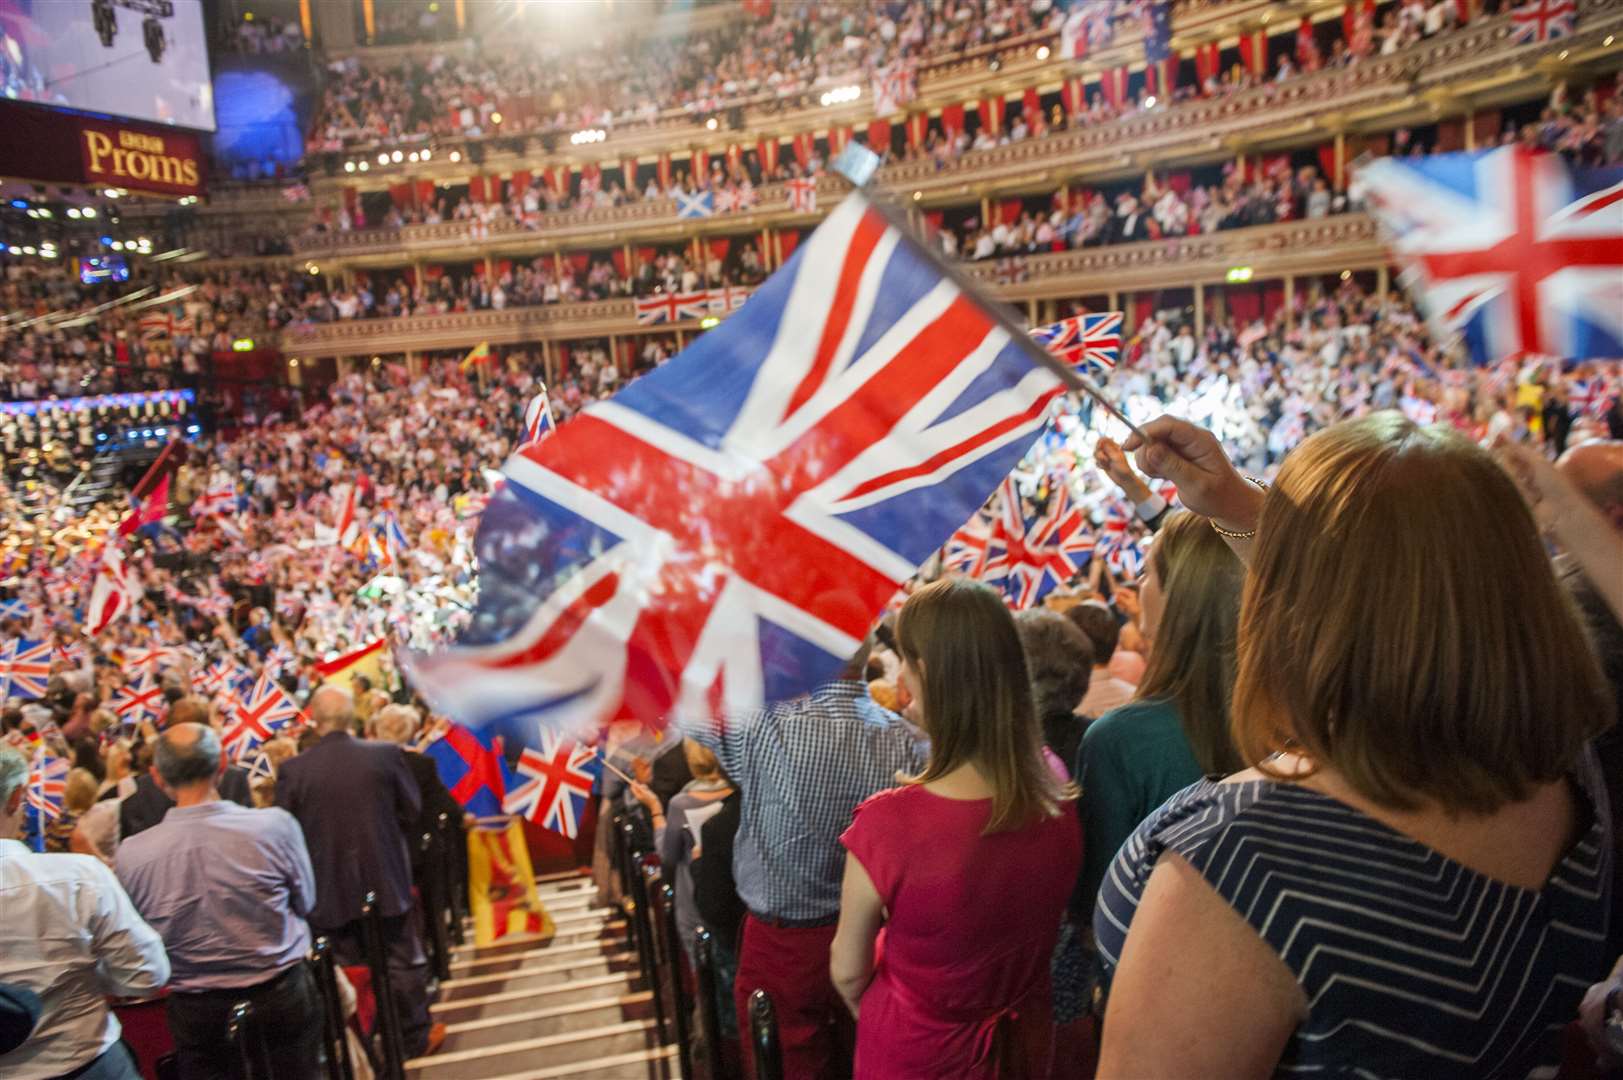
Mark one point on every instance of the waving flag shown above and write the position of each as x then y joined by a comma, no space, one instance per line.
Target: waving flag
1084,339
26,668
479,354
803,194
554,784
894,87
1033,555
672,307
538,422
220,675
1118,546
219,498
150,510
112,593
1508,248
1539,21
471,770
13,609
139,700
696,204
264,714
47,787
723,531
391,540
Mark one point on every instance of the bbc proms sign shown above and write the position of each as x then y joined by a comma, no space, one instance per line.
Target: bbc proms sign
45,144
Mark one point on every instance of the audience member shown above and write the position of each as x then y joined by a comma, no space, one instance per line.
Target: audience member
148,803
228,889
1103,630
1059,658
960,988
69,935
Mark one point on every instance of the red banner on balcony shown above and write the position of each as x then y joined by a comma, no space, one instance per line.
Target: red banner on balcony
1031,104
804,144
701,165
992,114
628,173
767,151
1254,51
952,118
1161,78
476,189
664,167
425,192
1073,95
918,127
1207,63
879,136
1113,85
735,159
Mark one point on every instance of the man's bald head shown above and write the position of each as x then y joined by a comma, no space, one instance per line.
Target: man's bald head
187,754
1596,468
332,708
188,710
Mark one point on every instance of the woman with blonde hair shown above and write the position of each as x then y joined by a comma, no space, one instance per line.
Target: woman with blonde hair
1176,728
962,988
1413,876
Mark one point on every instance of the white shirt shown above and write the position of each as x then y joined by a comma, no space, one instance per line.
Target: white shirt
71,935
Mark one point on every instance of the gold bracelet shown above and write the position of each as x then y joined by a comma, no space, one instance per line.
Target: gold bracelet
1229,534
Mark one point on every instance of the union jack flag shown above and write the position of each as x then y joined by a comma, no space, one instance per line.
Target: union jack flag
219,498
278,660
671,550
139,700
893,87
151,658
1119,548
538,418
672,307
554,784
1592,397
727,299
391,540
47,787
220,675
970,549
69,652
259,718
1039,553
1508,248
1539,21
27,667
803,194
1083,339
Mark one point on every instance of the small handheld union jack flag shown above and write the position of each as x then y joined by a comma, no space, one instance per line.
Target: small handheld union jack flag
47,786
538,418
1084,339
260,717
556,784
138,701
27,664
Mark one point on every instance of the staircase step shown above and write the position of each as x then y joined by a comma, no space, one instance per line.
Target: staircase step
568,931
531,978
578,887
512,1058
501,1003
658,1063
511,961
553,1019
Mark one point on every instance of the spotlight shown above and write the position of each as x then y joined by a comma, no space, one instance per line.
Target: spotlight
917,195
412,156
28,249
710,124
44,212
427,154
383,159
89,212
349,166
73,212
397,157
1149,102
496,118
1042,52
456,156
118,245
364,166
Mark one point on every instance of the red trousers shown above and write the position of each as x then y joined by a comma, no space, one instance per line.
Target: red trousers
815,1028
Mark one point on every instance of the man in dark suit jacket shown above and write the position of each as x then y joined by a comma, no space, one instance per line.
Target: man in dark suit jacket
355,799
147,804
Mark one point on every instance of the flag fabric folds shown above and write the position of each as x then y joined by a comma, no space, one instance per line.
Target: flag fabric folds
46,788
723,530
695,204
112,594
476,355
1508,248
25,669
471,769
1540,21
265,713
802,194
553,784
501,885
538,418
1084,339
148,511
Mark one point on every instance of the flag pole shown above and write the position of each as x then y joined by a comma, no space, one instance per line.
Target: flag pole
604,758
857,164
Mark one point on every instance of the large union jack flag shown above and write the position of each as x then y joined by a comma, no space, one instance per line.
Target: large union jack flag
554,784
258,718
1084,339
723,531
671,307
25,668
1508,248
1539,21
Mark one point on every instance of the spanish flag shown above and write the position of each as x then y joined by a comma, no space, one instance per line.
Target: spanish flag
476,355
365,660
501,885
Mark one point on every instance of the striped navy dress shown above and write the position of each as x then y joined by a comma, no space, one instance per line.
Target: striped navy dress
1413,965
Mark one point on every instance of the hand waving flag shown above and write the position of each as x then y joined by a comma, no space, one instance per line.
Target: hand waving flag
723,531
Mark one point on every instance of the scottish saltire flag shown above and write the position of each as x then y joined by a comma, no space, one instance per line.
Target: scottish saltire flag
552,785
26,666
1539,21
260,715
697,204
538,418
1508,248
46,788
471,769
13,609
723,531
1084,339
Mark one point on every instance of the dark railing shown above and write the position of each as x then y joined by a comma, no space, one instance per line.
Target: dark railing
248,1042
707,986
671,955
764,1037
334,1029
392,1054
436,901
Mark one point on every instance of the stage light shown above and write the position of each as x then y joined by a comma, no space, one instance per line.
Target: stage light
1042,52
44,212
412,157
397,157
383,159
1149,102
1238,274
1345,274
349,166
28,249
20,204
840,95
49,254
711,124
427,154
496,118
709,321
917,195
314,269
456,156
364,166
89,212
73,212
118,245
15,250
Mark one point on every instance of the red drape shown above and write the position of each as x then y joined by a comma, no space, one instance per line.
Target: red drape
1162,78
788,240
992,114
735,156
425,192
628,172
918,126
401,195
1273,298
1254,52
952,118
767,151
1464,7
1244,303
933,218
1327,164
476,189
618,257
520,182
1206,62
1008,211
719,246
804,145
664,168
1031,104
1074,96
580,260
879,136
1113,84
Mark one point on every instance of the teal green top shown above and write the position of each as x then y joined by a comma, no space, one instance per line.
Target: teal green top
1132,760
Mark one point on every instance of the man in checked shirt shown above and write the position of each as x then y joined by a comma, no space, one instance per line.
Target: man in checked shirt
803,766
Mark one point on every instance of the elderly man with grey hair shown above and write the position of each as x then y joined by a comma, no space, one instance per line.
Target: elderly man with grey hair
228,888
70,935
356,799
399,724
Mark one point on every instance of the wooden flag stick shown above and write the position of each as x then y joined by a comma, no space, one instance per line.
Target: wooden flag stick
607,764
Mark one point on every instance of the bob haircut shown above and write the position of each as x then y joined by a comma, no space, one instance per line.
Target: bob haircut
1402,623
975,698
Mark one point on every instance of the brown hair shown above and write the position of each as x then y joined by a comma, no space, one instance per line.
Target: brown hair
975,697
79,791
1192,663
1402,625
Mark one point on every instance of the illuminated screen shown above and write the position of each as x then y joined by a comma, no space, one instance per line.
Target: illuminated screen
139,59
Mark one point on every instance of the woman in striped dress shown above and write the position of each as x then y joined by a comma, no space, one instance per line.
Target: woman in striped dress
1413,879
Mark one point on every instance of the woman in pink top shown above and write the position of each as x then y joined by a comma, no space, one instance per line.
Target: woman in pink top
955,882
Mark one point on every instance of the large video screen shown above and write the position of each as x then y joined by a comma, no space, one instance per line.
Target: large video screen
138,59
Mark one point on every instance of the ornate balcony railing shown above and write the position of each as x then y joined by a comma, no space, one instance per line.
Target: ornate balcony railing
1476,63
1317,246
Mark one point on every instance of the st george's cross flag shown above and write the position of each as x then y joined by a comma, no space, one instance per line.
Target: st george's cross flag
802,194
1084,339
551,785
722,532
1508,248
1540,21
25,668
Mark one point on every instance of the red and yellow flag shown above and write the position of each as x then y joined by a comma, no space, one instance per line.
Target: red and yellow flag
501,885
